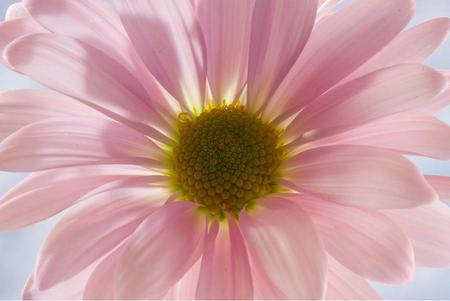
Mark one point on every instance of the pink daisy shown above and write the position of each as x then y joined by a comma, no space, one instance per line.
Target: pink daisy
225,149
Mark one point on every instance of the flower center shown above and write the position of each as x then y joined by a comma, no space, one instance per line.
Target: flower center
225,158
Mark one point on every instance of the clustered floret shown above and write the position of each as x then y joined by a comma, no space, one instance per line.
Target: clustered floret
225,158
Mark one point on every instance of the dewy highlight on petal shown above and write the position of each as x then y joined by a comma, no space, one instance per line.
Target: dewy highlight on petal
225,149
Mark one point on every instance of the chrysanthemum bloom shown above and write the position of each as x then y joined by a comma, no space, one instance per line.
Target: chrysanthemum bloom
225,149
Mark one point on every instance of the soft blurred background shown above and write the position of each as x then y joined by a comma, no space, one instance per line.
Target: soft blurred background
18,249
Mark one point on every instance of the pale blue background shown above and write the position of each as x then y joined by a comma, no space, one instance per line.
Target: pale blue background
18,249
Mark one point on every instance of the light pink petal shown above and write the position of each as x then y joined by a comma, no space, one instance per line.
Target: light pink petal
337,47
100,285
285,249
71,289
326,8
226,27
167,36
44,194
16,11
95,227
364,241
60,142
346,285
441,184
15,28
428,228
359,176
160,252
225,271
280,30
19,108
186,287
410,46
439,102
376,95
76,69
408,133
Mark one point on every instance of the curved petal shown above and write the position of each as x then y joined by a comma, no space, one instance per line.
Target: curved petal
16,11
44,194
160,252
225,271
226,27
280,30
19,108
84,235
408,133
345,285
83,72
186,287
15,28
410,46
428,228
440,102
337,47
373,96
61,142
285,249
168,38
359,176
441,184
364,241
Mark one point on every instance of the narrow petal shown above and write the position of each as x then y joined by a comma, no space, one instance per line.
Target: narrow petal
61,142
409,133
84,235
428,228
100,285
15,28
280,30
186,287
410,46
337,47
44,194
225,271
19,108
160,252
276,234
364,241
440,102
359,176
167,36
346,285
441,184
376,95
83,72
226,27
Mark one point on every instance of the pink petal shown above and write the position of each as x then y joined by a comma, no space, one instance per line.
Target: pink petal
337,47
44,194
186,287
359,176
364,241
225,271
376,95
15,28
83,72
60,142
160,252
168,39
16,11
428,228
226,27
280,30
440,102
411,46
100,285
285,249
345,285
84,235
22,107
326,8
405,132
441,184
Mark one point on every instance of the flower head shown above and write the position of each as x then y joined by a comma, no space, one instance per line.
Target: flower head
225,149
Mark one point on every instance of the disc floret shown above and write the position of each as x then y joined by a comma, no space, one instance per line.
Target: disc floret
225,158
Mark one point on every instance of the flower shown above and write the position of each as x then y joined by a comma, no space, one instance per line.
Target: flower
225,149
